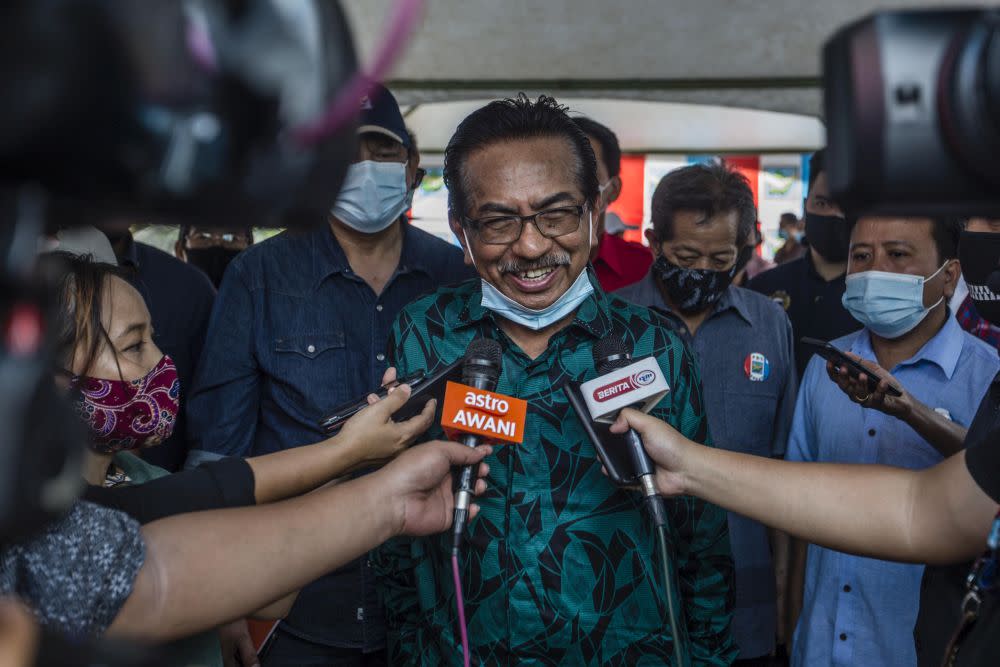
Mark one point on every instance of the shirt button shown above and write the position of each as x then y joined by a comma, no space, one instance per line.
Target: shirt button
379,307
843,637
871,432
311,349
847,588
380,356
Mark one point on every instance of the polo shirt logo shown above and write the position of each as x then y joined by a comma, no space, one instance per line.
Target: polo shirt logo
756,367
781,298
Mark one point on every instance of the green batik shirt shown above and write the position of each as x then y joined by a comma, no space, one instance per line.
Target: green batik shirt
560,566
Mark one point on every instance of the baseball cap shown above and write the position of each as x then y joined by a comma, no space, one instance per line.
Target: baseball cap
380,113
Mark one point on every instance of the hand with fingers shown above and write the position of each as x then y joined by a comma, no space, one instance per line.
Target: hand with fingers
859,389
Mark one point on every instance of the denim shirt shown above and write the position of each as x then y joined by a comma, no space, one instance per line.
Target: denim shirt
294,333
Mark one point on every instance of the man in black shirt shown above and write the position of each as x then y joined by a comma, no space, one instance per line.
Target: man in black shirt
810,288
940,515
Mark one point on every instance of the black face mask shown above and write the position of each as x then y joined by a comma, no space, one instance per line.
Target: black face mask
213,261
979,253
830,235
695,290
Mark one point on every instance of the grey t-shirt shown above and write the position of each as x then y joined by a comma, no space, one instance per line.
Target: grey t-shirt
77,574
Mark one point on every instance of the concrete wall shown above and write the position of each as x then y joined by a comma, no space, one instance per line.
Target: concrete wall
760,54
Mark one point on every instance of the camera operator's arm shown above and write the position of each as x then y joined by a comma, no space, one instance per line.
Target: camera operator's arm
936,515
940,432
208,568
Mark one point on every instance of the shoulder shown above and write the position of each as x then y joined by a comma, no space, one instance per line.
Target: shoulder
285,256
761,306
443,304
443,260
778,277
979,356
640,292
172,270
650,332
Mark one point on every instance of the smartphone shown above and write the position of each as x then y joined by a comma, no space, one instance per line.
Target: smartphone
841,360
423,387
612,448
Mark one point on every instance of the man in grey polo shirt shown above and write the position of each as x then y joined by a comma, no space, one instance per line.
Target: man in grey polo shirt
703,221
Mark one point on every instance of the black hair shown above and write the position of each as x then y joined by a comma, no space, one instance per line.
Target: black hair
611,151
816,166
512,119
706,188
80,302
946,232
788,216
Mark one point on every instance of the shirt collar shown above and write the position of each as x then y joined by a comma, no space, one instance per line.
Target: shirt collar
813,274
943,350
329,257
732,299
593,315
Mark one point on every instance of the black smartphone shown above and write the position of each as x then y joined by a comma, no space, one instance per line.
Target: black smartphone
841,360
612,448
423,387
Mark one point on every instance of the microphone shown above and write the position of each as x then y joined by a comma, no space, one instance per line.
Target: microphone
638,383
480,370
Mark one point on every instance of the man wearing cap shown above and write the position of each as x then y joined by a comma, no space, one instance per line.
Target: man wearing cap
300,326
617,262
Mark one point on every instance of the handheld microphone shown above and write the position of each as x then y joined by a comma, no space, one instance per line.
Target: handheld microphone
480,370
611,355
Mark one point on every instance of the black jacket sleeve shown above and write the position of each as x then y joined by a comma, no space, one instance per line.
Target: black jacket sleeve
220,484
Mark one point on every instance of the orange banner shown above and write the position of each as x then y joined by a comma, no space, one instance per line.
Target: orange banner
495,417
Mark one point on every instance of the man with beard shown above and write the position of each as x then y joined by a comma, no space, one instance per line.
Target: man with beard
562,563
810,288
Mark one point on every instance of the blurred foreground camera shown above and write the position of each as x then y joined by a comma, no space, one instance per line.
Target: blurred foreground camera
912,102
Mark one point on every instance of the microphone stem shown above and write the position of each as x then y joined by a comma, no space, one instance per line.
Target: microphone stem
463,498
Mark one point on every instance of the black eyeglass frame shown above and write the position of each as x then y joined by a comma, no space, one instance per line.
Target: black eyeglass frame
476,224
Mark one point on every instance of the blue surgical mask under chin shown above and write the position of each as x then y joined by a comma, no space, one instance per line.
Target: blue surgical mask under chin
373,196
504,306
888,304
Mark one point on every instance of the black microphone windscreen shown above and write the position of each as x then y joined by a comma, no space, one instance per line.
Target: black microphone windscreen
611,353
484,356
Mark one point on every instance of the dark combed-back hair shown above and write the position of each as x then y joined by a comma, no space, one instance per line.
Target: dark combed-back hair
508,120
706,188
611,150
816,166
82,285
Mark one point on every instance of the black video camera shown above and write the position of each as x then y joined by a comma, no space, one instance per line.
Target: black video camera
912,103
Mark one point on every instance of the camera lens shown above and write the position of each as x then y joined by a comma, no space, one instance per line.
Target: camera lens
970,97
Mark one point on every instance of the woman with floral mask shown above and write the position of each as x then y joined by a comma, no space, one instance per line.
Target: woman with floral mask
126,391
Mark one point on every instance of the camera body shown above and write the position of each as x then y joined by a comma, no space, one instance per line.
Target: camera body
912,104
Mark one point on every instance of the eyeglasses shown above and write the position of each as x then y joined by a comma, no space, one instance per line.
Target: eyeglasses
505,229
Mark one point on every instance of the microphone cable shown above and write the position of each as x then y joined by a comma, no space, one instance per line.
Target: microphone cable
460,604
668,587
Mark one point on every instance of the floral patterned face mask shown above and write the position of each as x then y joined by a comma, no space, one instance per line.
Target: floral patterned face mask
122,414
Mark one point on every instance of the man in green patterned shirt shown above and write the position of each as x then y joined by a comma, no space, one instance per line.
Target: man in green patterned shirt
560,565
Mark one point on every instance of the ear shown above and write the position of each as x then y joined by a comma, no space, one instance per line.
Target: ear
952,272
653,243
179,251
456,229
614,190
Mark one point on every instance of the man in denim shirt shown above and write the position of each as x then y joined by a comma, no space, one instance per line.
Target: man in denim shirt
300,326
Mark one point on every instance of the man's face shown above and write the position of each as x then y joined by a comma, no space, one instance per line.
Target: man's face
700,243
984,225
818,202
215,237
902,245
380,148
523,177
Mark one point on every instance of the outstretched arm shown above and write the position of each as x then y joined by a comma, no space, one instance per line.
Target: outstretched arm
209,568
937,515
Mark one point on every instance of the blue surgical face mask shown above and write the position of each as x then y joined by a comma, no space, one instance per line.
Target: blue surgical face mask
888,304
501,304
373,196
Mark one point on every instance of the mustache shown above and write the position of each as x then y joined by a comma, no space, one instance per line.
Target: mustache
548,261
